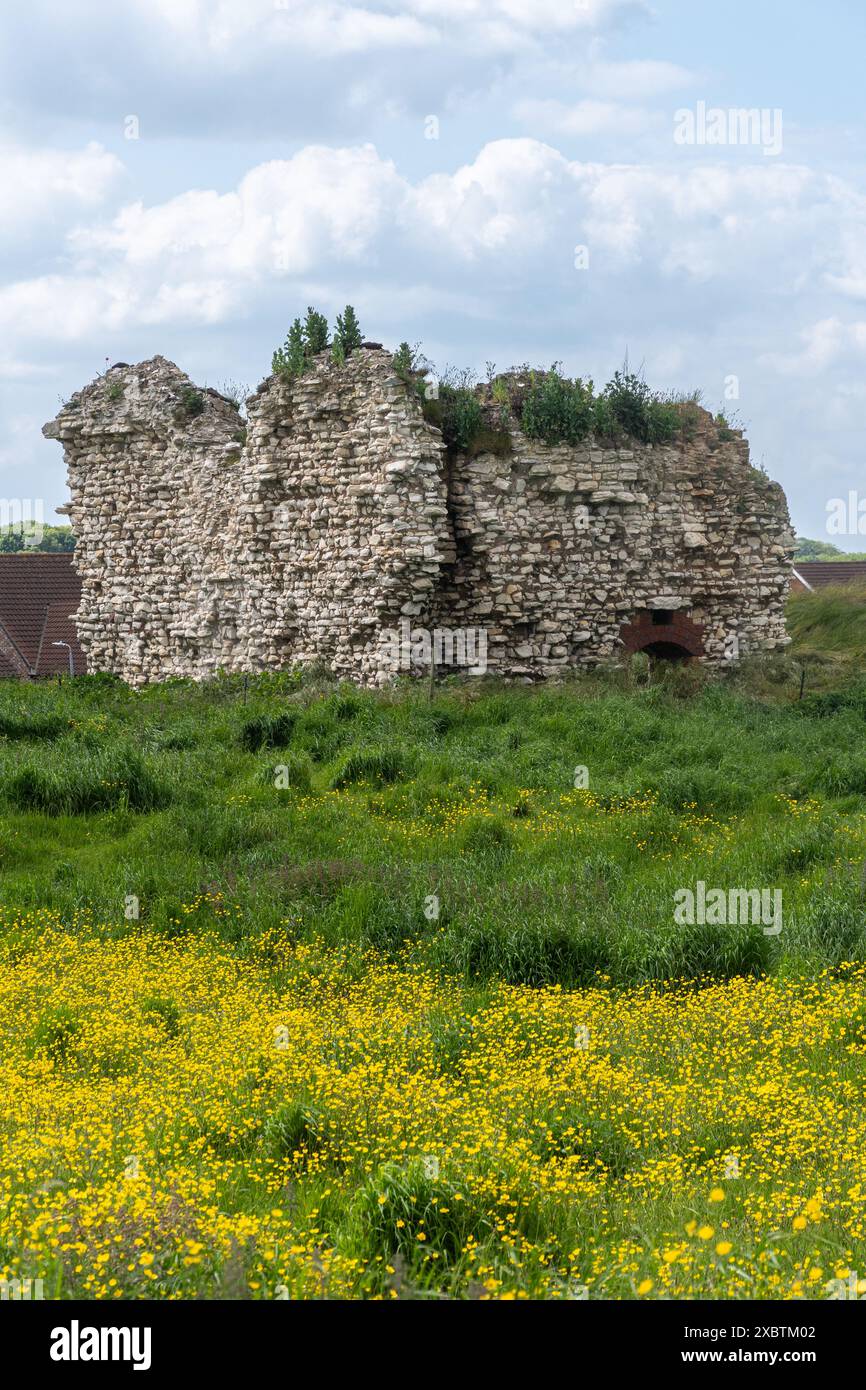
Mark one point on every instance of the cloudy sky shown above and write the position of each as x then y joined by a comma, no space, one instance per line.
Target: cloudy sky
501,180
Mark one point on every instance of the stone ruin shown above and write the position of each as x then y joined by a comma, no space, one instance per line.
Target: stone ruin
335,517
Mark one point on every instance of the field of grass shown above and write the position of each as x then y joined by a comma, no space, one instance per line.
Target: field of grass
830,620
309,991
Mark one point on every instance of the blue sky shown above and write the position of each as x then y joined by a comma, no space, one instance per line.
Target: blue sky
283,158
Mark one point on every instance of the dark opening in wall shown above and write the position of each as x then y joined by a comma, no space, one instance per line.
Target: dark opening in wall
662,617
667,651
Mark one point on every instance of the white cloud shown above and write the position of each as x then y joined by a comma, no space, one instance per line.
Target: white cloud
56,308
528,16
505,203
319,28
517,209
823,344
705,262
260,68
848,275
193,221
326,26
757,223
11,369
287,216
587,117
44,184
611,97
635,80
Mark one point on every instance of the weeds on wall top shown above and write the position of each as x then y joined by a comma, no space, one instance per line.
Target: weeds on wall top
236,393
547,405
191,402
561,410
454,406
348,331
308,337
412,366
557,410
457,411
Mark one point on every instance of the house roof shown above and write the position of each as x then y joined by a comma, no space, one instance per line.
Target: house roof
39,593
816,574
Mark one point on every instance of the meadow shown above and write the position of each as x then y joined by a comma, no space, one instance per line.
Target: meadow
316,992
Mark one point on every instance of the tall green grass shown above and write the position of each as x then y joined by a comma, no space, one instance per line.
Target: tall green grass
832,619
309,810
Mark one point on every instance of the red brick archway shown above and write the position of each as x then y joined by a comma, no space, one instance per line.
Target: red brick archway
667,635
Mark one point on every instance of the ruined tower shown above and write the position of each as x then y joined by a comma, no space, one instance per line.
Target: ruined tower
336,514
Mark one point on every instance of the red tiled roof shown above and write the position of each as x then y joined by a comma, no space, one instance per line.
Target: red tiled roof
819,573
39,593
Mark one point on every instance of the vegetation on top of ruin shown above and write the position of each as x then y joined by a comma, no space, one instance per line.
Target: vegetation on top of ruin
476,417
548,406
347,335
236,393
306,339
560,410
191,402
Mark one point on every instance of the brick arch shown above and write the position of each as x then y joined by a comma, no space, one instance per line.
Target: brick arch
680,632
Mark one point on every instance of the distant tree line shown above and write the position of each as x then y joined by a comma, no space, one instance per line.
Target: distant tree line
824,550
53,539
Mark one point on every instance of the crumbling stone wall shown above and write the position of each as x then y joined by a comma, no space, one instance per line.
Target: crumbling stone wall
562,551
345,515
154,477
337,513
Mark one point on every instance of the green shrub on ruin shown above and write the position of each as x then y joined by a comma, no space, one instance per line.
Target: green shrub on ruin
559,410
412,367
556,409
291,359
638,411
348,331
404,361
457,411
316,334
191,402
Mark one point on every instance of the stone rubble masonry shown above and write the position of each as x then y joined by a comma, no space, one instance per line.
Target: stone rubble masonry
338,512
